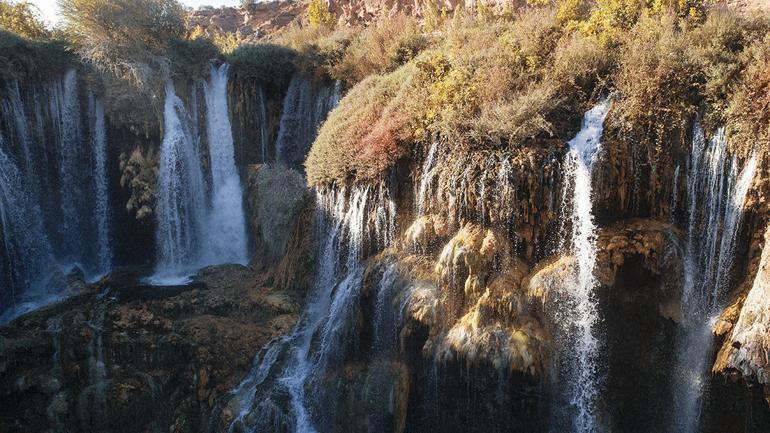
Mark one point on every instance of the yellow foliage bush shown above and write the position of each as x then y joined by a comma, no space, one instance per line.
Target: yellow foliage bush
318,14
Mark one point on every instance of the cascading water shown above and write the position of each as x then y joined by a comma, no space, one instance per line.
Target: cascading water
181,204
192,231
426,176
580,354
386,318
296,119
48,146
226,221
317,340
716,193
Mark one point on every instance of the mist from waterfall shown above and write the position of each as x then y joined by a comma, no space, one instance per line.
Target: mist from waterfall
581,350
715,194
181,205
226,227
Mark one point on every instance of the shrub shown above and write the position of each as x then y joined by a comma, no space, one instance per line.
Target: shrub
367,132
749,109
318,48
517,117
611,18
24,58
718,47
380,48
227,42
581,65
22,18
657,78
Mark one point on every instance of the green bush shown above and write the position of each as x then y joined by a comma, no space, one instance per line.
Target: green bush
190,58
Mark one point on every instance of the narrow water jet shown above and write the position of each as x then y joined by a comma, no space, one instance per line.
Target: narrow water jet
101,186
580,354
264,136
226,221
426,176
294,130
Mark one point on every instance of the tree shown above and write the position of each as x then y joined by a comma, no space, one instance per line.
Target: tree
23,19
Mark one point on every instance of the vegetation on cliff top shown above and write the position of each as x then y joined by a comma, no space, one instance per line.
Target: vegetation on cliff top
482,82
474,78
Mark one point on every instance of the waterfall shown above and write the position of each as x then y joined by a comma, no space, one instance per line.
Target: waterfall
55,166
101,189
715,194
73,161
386,318
294,129
226,220
26,252
319,337
303,111
181,207
581,351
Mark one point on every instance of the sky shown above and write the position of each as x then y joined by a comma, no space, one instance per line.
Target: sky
50,12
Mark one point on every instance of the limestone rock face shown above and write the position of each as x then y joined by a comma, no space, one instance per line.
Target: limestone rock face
748,346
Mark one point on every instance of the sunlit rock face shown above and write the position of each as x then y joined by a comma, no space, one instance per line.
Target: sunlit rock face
750,339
